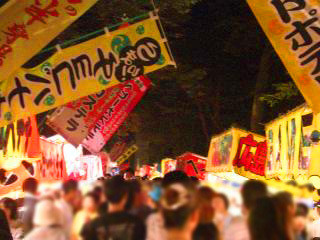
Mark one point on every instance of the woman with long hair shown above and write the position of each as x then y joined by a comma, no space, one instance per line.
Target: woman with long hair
265,221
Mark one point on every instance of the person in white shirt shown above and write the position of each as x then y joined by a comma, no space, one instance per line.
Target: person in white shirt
67,203
30,187
47,222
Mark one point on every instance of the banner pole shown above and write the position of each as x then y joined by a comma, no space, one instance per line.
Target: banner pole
157,18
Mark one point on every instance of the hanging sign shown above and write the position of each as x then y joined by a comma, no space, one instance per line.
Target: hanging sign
251,156
28,26
127,154
292,26
192,164
19,141
94,119
115,114
237,150
84,69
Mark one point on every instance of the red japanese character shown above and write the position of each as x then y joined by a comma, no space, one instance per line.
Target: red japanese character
71,10
4,49
16,31
39,14
75,1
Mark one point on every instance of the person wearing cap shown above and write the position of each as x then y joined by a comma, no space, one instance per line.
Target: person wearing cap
47,221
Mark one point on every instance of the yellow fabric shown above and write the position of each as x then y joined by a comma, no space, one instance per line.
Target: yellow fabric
84,64
276,30
80,219
39,32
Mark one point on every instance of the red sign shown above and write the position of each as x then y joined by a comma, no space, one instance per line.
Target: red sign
115,112
252,162
192,164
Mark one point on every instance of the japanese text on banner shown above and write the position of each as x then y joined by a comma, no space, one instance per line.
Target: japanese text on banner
29,25
85,69
293,29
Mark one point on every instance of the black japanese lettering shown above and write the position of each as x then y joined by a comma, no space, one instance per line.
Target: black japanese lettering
107,65
37,79
73,125
283,7
90,102
312,57
19,90
301,30
55,72
85,64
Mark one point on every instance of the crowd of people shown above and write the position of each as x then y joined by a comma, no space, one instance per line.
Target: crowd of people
175,207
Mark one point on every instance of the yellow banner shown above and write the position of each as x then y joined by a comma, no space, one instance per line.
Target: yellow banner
28,26
127,154
293,28
290,145
84,69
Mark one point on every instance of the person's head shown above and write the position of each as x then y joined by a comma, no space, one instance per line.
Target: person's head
251,191
10,207
180,208
107,176
128,174
264,221
30,185
134,194
46,214
206,209
221,203
286,208
175,177
301,217
116,190
90,202
70,191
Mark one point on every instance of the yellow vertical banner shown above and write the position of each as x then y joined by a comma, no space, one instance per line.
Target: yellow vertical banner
290,145
28,26
292,26
84,69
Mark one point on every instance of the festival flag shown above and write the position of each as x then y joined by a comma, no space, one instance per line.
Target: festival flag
85,69
28,26
94,119
292,26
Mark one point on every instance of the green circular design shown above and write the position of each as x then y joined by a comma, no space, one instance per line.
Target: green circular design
50,100
8,116
119,42
161,60
103,81
140,29
45,68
